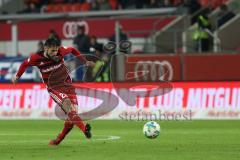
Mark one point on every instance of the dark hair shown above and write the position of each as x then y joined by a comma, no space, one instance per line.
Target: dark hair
224,7
52,42
81,28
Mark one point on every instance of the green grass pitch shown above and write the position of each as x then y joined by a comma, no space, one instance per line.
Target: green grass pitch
179,140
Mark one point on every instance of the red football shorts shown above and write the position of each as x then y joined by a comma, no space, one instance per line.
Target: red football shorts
61,94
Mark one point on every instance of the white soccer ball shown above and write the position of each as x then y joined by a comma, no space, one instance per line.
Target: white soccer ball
151,129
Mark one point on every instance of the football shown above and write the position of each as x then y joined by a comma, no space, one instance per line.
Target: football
151,129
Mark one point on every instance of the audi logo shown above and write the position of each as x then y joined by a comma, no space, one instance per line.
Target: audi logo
156,70
70,28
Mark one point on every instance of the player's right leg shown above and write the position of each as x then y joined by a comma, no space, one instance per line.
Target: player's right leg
68,103
71,109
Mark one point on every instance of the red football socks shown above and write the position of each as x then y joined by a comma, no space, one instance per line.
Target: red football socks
68,125
74,117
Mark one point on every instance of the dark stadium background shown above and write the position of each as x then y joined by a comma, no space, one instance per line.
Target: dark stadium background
186,50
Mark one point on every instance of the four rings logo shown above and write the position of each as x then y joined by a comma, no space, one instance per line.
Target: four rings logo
155,70
70,28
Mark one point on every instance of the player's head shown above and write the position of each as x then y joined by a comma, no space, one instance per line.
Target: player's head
51,47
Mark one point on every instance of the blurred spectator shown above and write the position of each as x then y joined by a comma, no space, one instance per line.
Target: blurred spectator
122,36
165,3
201,34
31,8
82,41
224,15
94,5
97,47
223,11
153,4
103,5
101,70
40,46
122,4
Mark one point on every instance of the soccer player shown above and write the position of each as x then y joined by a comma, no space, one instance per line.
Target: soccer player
59,84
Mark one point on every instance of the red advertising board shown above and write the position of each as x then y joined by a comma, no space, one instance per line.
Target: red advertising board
211,67
203,67
156,67
102,28
199,100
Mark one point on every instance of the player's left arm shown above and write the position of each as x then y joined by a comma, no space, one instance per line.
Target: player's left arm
75,52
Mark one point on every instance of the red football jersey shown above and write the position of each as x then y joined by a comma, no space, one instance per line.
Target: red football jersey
54,74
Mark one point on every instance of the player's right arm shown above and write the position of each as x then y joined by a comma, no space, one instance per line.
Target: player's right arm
31,61
75,52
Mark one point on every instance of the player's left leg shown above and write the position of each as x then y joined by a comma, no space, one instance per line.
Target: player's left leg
68,125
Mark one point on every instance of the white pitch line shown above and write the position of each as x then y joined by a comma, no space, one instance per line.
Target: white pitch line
108,137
